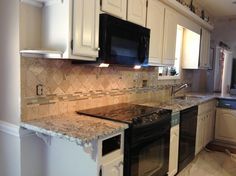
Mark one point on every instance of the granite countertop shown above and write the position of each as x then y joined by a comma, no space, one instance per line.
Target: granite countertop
73,127
193,99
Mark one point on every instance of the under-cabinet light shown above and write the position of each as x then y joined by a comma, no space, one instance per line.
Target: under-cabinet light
137,67
103,65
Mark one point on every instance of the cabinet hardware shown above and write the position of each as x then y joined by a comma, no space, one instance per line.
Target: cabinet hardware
72,45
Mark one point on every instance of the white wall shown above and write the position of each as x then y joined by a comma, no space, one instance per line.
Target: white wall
9,155
10,61
225,30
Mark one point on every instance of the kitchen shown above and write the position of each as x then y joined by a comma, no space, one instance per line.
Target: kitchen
66,112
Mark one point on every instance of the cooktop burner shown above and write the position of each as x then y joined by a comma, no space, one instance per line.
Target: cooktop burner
127,113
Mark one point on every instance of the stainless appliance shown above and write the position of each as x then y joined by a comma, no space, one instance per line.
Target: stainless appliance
187,139
122,42
147,139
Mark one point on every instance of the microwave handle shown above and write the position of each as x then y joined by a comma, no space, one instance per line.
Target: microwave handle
145,43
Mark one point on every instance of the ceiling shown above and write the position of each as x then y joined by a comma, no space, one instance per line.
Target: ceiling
219,8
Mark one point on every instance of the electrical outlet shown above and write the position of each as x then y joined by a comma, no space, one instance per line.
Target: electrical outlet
39,90
144,83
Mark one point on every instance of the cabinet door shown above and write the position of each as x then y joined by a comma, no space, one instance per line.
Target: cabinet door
86,28
115,7
155,22
113,168
199,134
137,11
225,125
205,49
169,43
174,150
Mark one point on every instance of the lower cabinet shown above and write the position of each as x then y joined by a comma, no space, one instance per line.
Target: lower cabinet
205,125
174,151
226,125
113,168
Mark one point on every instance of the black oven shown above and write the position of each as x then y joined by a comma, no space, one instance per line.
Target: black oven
122,42
147,140
147,149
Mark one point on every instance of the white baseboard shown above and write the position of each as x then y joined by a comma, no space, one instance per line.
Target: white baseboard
9,128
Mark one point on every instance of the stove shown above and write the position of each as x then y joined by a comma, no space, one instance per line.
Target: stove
147,140
131,114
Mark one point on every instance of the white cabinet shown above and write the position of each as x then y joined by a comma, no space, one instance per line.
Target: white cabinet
174,151
169,41
115,7
137,10
205,125
205,49
113,167
86,28
163,24
225,128
66,27
155,22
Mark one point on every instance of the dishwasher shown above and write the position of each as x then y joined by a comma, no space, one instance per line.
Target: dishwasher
187,138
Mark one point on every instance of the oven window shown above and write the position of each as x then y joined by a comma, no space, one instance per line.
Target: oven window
126,50
151,159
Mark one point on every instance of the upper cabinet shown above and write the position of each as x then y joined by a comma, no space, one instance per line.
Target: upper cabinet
86,28
169,41
67,29
163,24
115,7
155,22
137,10
205,49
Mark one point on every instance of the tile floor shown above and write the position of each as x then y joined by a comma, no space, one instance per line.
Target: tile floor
211,164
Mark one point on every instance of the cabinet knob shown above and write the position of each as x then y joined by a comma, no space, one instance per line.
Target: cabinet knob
97,49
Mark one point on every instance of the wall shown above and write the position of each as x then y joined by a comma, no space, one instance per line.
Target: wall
10,61
69,87
225,30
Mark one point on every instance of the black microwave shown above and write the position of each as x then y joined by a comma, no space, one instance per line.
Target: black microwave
122,42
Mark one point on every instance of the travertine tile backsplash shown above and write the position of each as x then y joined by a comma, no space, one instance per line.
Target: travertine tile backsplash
69,87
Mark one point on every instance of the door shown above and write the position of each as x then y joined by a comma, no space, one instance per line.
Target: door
115,7
113,168
200,133
137,11
225,125
155,22
205,49
174,150
170,31
86,28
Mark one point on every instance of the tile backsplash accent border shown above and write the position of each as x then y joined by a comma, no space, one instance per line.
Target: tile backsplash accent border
68,87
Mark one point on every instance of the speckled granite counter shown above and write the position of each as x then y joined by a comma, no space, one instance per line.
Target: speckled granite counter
73,127
192,99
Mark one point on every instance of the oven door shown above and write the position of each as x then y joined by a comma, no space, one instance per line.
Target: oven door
151,158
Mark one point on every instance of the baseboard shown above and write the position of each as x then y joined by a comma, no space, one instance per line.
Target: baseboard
9,128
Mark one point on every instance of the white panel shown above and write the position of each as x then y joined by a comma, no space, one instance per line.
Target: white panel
191,46
174,150
115,7
155,22
169,43
9,155
10,61
85,28
137,11
225,125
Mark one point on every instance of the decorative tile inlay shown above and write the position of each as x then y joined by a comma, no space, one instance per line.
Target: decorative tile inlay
69,87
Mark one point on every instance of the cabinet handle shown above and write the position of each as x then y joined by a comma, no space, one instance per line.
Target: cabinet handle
120,164
97,49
